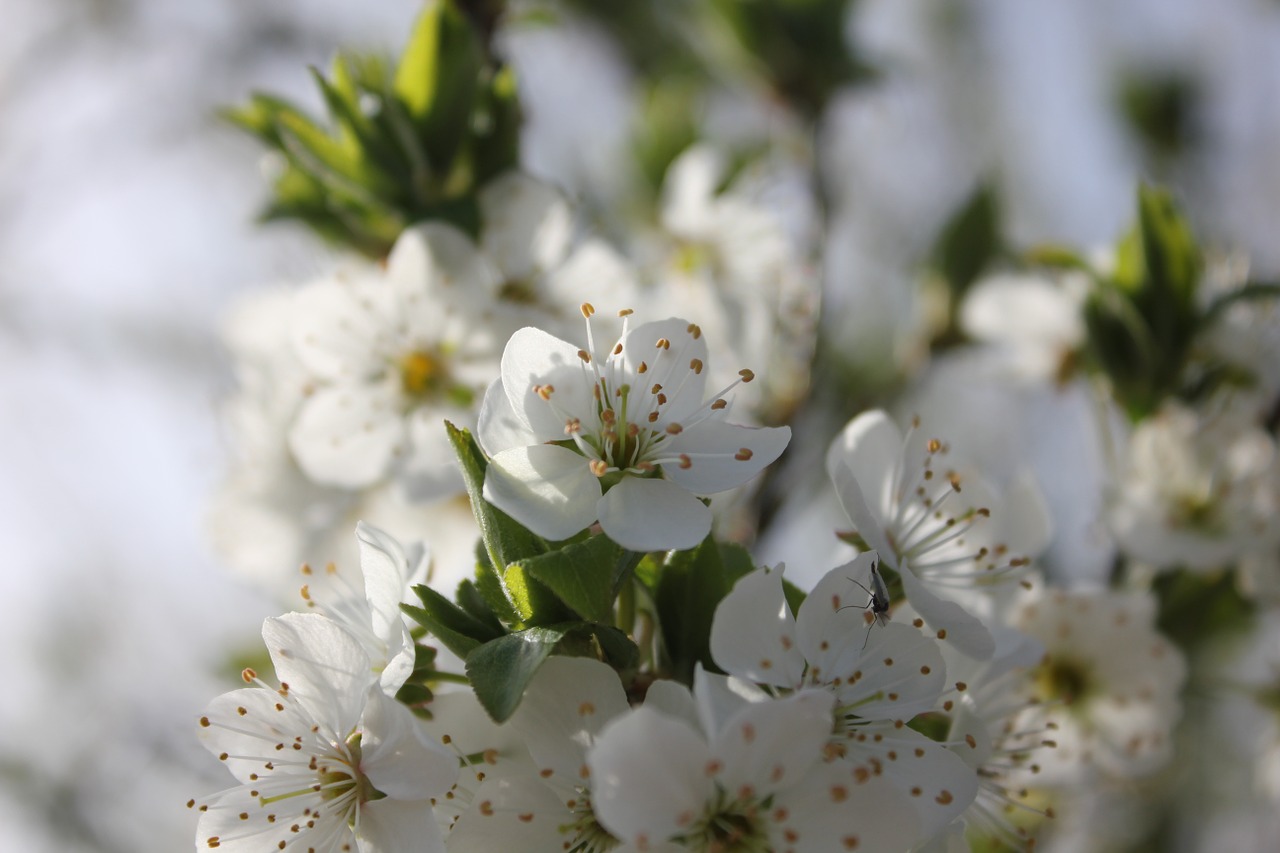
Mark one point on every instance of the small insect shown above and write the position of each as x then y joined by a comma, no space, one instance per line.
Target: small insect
878,605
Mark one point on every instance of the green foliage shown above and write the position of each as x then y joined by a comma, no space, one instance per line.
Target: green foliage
689,586
1195,606
454,627
501,669
400,145
1142,319
969,242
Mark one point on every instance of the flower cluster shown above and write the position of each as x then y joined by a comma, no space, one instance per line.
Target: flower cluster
605,603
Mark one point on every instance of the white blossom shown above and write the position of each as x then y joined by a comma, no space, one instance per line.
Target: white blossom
624,436
389,359
1109,682
948,543
1197,491
327,760
756,783
881,675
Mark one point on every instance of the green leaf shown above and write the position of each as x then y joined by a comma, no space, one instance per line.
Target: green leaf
470,599
1169,247
437,78
689,587
969,242
506,542
497,138
619,651
581,575
501,669
459,631
338,164
736,560
1250,292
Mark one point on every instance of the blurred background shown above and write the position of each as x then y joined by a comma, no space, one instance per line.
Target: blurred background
127,227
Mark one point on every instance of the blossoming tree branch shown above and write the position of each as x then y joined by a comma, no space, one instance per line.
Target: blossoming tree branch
528,457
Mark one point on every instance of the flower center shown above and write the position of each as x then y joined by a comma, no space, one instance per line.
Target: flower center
734,825
584,832
425,375
1065,681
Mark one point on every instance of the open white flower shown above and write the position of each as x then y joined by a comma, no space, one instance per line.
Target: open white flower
756,783
1197,492
881,676
627,439
944,541
1108,681
390,358
328,760
369,606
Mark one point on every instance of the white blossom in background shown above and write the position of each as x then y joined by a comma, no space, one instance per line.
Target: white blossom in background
267,517
542,274
951,539
1109,682
725,257
881,675
1197,491
328,760
756,782
389,359
624,435
1036,323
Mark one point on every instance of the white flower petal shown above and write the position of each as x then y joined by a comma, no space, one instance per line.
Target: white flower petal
673,699
753,634
871,446
649,776
393,826
668,366
718,698
653,515
721,468
771,745
397,755
499,427
526,224
510,812
434,265
866,523
569,701
347,435
534,358
260,723
326,669
386,574
832,809
900,673
963,630
688,192
946,785
337,326
832,622
548,489
594,273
